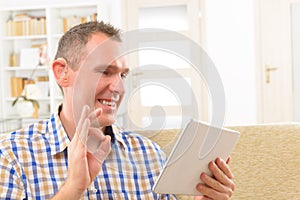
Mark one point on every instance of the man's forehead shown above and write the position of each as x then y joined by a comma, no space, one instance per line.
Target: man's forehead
107,51
121,61
103,51
100,41
102,61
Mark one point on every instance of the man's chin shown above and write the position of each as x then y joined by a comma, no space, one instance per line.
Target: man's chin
105,121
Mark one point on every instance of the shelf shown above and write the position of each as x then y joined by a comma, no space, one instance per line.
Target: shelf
39,99
26,37
16,35
17,68
27,119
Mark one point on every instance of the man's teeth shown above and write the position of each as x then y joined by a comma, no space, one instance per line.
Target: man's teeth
108,103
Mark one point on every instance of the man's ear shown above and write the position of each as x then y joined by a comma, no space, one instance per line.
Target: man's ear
61,72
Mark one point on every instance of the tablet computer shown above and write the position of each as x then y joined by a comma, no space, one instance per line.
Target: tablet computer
198,144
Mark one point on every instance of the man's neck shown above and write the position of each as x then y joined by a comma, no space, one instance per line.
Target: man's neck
67,123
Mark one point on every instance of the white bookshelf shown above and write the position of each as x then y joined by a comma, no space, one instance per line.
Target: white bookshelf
53,12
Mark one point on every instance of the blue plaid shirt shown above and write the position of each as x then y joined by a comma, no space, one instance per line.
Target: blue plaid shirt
34,164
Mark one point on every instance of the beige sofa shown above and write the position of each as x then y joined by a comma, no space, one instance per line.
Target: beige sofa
265,162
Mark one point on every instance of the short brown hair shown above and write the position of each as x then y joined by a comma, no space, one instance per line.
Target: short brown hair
72,44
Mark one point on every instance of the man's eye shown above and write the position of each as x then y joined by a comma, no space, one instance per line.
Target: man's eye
124,75
105,72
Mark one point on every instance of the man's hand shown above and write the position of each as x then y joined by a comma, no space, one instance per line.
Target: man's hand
220,185
83,166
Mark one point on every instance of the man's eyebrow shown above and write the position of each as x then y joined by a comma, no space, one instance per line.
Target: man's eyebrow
113,67
126,70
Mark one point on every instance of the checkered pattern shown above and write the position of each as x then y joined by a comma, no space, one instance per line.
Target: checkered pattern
34,164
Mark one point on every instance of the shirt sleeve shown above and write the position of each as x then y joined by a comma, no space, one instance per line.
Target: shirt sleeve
163,158
167,197
11,184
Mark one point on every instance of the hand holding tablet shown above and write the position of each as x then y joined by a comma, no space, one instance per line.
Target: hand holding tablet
198,144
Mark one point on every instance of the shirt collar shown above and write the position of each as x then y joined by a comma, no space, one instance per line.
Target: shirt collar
118,133
109,131
58,137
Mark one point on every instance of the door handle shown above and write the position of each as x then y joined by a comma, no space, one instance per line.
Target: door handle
268,70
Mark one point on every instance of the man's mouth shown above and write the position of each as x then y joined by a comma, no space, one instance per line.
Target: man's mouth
107,102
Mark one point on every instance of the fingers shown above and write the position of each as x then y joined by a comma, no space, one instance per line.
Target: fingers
221,185
224,167
95,160
221,172
84,131
94,115
213,188
210,193
83,116
83,166
202,198
94,140
86,116
104,150
228,160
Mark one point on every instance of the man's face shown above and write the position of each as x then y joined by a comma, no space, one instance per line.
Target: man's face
99,80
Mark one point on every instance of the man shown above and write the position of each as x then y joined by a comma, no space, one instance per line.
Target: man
67,156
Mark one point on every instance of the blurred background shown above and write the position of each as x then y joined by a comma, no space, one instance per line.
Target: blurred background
253,44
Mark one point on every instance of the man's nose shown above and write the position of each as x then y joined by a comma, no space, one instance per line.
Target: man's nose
117,84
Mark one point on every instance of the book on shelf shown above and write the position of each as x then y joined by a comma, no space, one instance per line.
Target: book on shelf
73,20
16,86
24,25
14,59
38,88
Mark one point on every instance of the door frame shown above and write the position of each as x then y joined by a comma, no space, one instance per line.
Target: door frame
275,105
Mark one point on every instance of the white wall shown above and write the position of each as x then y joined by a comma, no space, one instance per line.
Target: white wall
230,44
